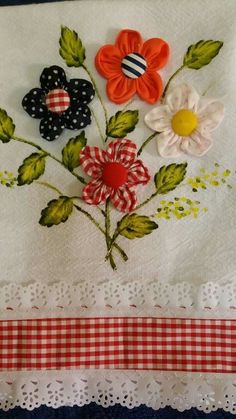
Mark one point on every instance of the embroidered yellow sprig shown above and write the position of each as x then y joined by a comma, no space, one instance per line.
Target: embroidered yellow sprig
7,179
179,208
206,179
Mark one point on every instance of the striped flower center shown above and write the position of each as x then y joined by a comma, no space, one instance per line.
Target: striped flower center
58,100
114,175
133,65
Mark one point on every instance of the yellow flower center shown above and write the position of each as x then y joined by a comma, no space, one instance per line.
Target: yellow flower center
184,122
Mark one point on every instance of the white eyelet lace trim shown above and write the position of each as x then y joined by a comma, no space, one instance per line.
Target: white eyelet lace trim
181,391
207,392
114,294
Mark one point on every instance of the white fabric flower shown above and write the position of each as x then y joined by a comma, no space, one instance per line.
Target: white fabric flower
185,122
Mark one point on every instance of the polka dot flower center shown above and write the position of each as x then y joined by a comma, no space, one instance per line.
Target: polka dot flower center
133,65
184,122
58,100
114,175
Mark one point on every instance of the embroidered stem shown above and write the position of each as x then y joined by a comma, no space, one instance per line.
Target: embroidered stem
23,140
81,199
127,105
146,201
90,217
108,239
170,79
147,141
49,186
118,232
112,243
97,92
98,127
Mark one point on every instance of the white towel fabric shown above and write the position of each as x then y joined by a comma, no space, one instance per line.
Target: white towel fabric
190,251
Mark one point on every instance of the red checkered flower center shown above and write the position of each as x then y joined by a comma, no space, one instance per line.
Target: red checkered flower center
114,175
58,100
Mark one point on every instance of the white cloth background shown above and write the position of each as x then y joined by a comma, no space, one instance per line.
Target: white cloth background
190,250
187,251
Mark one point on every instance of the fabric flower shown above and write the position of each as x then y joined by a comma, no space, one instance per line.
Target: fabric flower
116,173
131,67
185,122
58,103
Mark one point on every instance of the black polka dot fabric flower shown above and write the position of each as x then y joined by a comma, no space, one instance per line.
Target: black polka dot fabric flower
59,103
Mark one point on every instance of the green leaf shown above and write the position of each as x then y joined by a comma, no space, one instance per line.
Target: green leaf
31,169
122,123
135,226
201,53
57,211
71,152
71,48
169,177
7,127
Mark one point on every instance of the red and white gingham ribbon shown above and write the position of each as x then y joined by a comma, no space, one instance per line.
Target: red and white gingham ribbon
141,343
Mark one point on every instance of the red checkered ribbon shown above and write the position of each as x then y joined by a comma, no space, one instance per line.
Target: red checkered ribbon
145,343
58,100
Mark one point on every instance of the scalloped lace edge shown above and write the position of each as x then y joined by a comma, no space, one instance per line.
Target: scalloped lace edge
113,294
181,391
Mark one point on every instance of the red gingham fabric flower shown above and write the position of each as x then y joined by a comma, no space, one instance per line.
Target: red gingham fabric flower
116,173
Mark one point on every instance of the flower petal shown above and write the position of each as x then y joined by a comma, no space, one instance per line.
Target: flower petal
138,174
149,87
92,160
129,41
210,114
52,78
168,144
197,144
182,96
51,127
122,151
80,91
159,119
77,117
156,52
120,89
96,192
34,103
124,199
108,61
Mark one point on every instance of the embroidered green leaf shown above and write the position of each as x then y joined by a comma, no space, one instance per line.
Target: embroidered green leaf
201,53
122,123
169,177
7,127
71,152
31,169
71,48
135,226
56,212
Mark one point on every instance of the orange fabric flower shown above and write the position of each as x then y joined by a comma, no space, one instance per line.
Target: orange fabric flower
131,67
